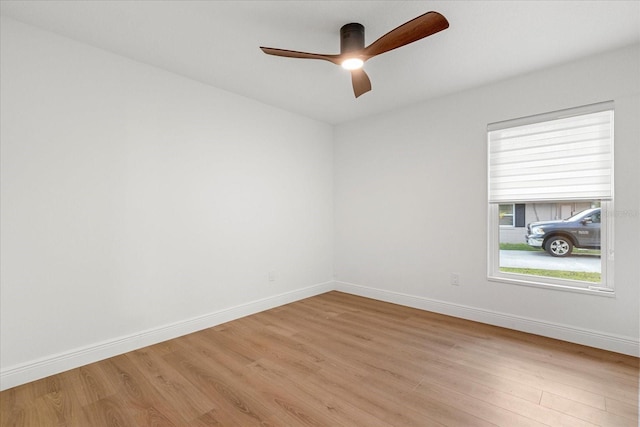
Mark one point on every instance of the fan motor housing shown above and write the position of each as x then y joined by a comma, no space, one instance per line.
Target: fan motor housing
351,37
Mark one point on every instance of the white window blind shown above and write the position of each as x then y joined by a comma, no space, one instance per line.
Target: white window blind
554,158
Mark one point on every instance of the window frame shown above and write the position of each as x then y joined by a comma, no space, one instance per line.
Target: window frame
606,285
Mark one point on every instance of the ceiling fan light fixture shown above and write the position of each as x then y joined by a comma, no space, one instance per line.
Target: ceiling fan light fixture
352,63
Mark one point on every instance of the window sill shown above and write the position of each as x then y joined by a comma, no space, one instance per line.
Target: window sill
523,280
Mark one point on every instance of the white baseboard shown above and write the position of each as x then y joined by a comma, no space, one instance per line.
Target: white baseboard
618,344
37,369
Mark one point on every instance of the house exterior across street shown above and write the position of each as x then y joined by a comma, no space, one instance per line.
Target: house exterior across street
514,217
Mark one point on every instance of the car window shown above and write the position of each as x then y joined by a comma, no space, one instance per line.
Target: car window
579,216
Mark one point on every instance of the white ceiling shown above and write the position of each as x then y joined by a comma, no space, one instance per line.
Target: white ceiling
217,43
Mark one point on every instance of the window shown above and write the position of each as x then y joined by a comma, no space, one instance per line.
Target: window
506,214
550,189
512,215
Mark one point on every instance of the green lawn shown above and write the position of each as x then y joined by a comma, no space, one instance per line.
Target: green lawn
582,276
525,247
517,247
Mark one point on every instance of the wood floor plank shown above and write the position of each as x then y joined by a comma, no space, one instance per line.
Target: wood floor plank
106,412
337,411
340,360
534,379
625,410
624,389
138,397
94,383
227,392
348,386
188,401
584,412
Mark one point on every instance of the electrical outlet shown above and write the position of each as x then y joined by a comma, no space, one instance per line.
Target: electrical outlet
272,276
455,279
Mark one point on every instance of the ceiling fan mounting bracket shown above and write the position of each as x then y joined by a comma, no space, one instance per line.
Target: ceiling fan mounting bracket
351,37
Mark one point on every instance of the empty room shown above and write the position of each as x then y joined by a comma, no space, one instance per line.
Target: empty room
319,213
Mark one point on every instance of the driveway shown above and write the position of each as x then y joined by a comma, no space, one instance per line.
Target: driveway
542,260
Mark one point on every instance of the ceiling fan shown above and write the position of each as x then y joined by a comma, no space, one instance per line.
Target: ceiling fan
353,53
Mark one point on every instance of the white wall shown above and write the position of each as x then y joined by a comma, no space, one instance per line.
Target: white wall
138,205
411,204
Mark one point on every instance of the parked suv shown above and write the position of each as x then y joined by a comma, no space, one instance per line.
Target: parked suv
559,238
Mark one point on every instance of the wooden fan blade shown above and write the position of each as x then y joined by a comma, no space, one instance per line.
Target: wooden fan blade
409,32
360,81
303,55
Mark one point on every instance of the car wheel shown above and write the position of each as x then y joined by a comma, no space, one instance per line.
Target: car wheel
559,246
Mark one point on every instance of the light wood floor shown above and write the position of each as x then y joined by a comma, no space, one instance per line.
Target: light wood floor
340,360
